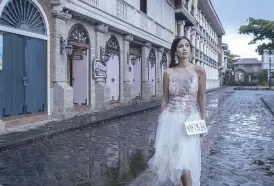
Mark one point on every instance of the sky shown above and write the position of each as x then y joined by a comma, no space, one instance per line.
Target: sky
233,14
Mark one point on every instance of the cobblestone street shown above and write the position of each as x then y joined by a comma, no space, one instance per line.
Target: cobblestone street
238,149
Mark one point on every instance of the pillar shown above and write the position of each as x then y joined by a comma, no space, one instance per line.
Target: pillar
128,88
187,34
146,86
62,92
181,28
102,91
193,42
159,78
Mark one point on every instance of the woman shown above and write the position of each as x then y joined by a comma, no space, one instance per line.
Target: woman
178,156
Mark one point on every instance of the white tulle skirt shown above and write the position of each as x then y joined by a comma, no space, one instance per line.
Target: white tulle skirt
176,153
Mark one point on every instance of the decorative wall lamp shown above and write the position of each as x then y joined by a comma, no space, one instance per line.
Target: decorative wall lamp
132,58
64,45
103,56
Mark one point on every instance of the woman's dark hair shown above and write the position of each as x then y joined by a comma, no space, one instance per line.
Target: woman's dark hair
174,49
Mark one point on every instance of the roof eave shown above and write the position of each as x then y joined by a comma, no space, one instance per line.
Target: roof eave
216,23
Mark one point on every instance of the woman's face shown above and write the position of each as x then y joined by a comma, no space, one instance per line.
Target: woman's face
183,49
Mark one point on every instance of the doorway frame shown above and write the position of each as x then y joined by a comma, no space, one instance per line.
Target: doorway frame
114,50
152,58
70,60
81,46
34,35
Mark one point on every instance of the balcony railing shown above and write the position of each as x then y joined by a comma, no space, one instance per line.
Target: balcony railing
126,10
197,53
121,9
91,2
185,5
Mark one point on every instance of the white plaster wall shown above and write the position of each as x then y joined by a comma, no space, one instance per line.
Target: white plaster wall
265,61
129,18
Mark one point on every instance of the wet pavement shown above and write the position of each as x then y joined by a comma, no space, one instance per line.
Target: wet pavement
238,149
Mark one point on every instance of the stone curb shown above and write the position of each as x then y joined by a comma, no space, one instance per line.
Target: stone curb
268,106
252,88
45,135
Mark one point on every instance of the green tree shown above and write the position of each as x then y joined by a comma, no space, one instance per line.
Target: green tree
262,77
232,58
262,30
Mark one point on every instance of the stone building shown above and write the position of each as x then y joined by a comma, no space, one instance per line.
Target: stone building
268,63
198,21
246,69
225,72
65,55
120,52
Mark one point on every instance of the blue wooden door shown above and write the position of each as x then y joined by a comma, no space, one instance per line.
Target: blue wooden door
12,93
36,74
23,78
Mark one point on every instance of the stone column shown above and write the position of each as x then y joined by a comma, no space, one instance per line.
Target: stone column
102,91
187,34
146,86
181,28
198,47
159,78
193,42
198,42
62,92
195,7
202,50
129,90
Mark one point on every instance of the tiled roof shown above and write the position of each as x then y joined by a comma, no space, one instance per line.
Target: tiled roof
248,61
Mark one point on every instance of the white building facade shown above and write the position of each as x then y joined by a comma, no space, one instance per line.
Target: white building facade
97,54
198,21
121,48
223,67
268,60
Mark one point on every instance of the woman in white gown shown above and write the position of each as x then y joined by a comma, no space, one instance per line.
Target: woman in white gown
177,157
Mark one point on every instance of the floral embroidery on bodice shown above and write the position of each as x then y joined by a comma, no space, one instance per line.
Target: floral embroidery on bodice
183,90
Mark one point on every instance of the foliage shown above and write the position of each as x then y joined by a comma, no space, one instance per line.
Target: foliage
232,58
262,30
262,76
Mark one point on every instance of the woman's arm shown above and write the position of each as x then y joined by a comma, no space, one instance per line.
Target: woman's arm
201,91
165,91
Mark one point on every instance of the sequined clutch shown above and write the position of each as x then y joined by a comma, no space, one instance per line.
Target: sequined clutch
195,127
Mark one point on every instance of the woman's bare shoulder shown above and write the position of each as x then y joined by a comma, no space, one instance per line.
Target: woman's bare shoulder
200,70
168,72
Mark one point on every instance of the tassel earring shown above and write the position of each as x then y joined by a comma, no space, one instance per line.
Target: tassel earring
191,58
176,59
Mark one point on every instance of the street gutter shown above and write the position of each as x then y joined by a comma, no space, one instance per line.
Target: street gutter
268,106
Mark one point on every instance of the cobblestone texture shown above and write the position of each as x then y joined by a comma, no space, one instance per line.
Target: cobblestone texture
237,151
29,133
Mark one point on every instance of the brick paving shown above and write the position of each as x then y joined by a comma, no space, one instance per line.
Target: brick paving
238,149
30,133
110,153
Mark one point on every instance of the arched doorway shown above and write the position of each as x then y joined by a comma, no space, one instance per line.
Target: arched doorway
113,68
78,65
24,58
152,70
240,75
163,64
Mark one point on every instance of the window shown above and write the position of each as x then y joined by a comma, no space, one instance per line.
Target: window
143,6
